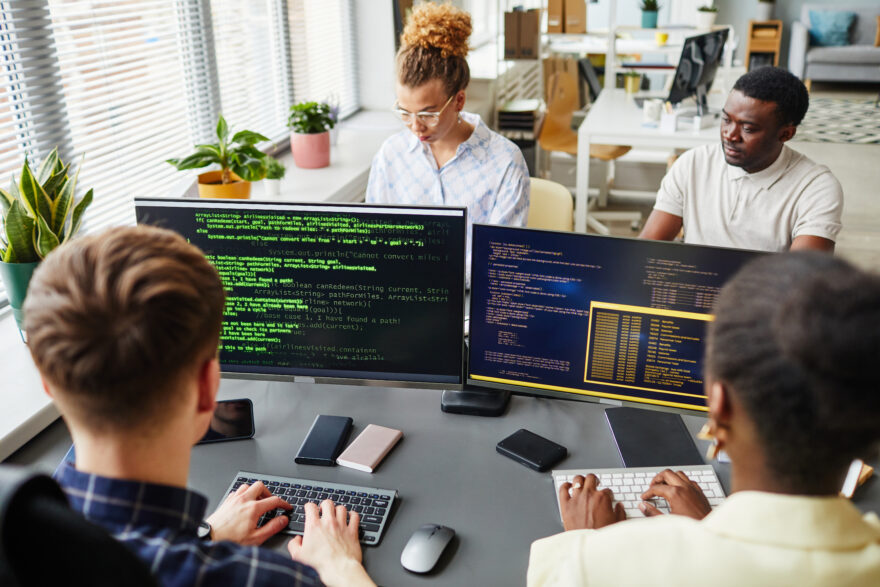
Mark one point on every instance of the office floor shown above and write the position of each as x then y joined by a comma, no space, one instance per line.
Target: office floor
855,166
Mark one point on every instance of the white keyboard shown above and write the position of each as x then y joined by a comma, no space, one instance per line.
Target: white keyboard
629,484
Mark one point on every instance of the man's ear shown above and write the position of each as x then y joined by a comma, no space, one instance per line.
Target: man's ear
787,132
46,388
208,384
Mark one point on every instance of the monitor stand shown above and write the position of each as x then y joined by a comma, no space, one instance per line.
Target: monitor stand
475,401
647,438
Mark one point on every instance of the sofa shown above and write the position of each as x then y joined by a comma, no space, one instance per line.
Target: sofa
858,61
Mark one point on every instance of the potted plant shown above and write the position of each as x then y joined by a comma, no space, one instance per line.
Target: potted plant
765,10
239,160
650,8
706,16
39,213
632,82
310,123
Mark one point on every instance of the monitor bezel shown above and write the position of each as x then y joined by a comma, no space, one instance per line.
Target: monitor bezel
155,201
583,395
677,96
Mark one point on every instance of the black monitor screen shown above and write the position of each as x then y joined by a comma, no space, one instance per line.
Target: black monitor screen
332,291
587,317
700,57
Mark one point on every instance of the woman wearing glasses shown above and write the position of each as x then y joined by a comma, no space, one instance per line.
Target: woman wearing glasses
447,156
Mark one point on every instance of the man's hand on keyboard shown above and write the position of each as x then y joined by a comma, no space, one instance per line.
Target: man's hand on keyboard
587,507
330,545
236,518
684,496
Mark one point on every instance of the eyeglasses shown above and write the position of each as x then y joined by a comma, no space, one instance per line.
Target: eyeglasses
426,118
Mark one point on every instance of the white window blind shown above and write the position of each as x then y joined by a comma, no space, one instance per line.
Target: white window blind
324,58
121,85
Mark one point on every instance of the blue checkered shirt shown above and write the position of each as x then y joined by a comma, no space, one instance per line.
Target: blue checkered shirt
487,175
159,523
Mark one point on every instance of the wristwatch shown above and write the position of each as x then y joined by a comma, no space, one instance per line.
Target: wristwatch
204,531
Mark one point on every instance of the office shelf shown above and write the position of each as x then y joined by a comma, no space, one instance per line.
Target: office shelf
762,43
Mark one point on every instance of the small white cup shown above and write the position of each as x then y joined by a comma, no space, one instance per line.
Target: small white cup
651,111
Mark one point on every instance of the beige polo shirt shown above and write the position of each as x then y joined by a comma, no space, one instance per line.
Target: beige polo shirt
752,539
722,205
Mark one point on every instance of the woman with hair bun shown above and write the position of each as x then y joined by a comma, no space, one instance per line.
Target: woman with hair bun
794,396
446,157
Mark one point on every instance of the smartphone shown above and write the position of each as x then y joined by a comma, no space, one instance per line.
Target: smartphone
531,450
324,441
233,420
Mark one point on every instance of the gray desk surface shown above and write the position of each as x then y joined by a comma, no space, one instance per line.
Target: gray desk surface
445,468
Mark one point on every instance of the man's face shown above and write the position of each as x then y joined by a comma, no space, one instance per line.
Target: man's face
751,133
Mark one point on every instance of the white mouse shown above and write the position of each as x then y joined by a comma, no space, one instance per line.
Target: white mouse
423,549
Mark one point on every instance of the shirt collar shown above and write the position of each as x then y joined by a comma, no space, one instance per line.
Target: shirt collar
793,521
131,502
766,177
477,143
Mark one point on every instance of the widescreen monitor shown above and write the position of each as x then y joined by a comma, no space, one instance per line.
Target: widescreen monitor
347,292
587,317
700,58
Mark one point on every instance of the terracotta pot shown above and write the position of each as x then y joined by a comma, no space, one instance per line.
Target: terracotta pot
210,186
310,151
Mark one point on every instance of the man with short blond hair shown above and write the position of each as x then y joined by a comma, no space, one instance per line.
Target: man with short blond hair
124,329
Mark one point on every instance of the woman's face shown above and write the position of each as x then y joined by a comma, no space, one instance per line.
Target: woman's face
429,99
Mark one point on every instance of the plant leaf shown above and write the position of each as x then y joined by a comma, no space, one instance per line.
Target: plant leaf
194,161
46,168
61,206
247,137
77,214
55,181
28,190
6,200
222,129
44,239
20,235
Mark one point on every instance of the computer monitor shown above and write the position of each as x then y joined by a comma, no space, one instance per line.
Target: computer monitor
700,57
347,292
598,318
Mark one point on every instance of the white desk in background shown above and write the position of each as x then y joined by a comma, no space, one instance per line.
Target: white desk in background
615,119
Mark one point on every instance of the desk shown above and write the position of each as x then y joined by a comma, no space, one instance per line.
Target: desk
614,119
445,468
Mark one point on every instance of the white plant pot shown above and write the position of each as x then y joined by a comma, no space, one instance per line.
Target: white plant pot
764,11
705,20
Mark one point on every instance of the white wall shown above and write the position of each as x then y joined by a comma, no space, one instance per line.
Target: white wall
374,24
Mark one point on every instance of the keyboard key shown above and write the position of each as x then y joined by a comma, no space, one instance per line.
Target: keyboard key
370,527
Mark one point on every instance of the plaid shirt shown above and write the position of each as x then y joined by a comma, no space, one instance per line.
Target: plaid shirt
159,523
488,176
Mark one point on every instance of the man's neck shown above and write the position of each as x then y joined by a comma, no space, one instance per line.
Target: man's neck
151,460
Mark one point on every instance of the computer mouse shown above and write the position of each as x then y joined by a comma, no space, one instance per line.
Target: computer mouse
424,547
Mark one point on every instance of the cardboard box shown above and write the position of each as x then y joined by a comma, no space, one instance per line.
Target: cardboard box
575,16
554,16
529,34
511,35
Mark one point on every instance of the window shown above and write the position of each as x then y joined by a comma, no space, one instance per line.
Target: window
121,85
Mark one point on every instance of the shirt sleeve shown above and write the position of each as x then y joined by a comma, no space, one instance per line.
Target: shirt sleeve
819,208
512,200
558,560
672,194
377,185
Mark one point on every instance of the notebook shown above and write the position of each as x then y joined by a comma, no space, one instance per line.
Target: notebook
369,448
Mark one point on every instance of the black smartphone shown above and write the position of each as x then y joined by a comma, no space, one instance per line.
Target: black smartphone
531,450
233,420
324,441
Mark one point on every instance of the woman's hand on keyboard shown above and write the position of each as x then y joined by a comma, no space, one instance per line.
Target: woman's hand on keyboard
587,507
684,496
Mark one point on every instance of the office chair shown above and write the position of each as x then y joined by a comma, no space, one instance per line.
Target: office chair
44,542
550,205
556,134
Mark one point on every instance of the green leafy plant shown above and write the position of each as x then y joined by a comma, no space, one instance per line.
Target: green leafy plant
650,6
39,212
236,154
707,9
311,118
